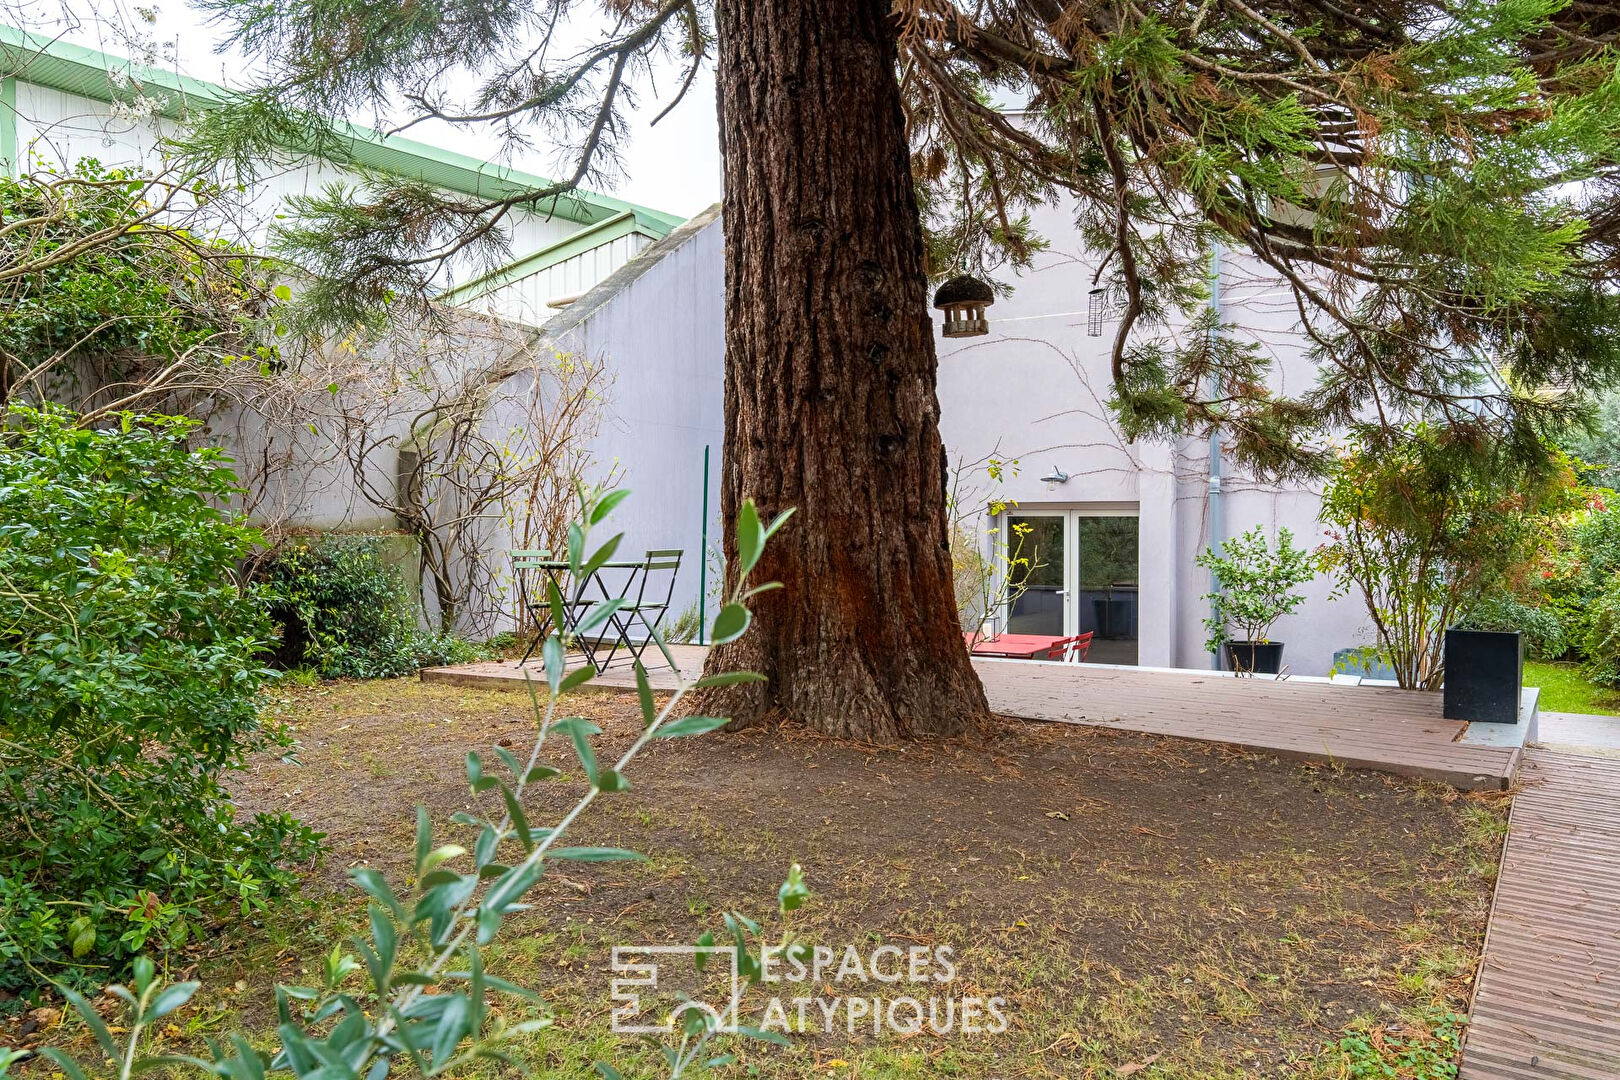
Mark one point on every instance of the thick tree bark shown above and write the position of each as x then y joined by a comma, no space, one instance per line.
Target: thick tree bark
830,383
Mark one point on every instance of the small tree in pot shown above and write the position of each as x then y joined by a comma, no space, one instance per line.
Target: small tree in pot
1256,588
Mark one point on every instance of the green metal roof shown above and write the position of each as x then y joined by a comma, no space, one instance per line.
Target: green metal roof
603,232
74,69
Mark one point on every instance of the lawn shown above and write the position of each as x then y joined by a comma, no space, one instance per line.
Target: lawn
1565,689
1147,907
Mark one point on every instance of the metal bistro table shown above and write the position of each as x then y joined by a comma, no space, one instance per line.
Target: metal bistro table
577,605
1022,646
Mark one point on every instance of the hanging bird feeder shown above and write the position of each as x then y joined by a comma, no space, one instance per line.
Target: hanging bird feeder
963,300
1096,312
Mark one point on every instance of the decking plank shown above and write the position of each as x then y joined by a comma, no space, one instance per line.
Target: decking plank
1359,727
1549,982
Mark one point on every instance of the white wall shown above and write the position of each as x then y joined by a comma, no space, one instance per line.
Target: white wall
659,327
1035,389
660,337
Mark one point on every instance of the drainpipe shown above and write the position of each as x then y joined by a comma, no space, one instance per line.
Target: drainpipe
1217,524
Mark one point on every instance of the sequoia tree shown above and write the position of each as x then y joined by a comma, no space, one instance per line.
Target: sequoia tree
830,370
1436,182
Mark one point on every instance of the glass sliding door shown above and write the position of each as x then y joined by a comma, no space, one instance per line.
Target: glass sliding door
1036,543
1105,584
1076,570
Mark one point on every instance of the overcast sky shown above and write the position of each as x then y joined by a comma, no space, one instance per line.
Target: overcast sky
674,167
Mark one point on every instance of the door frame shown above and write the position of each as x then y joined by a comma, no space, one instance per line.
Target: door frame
1069,512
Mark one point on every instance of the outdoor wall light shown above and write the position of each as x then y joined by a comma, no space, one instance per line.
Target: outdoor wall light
963,300
1054,478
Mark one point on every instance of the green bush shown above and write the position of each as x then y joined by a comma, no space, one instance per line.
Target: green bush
1428,529
130,659
346,612
134,296
1600,644
1543,627
430,1006
1595,539
1578,562
1257,585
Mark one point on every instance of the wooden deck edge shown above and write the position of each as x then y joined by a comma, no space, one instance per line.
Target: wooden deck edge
1465,780
446,677
1490,917
451,677
1469,780
1515,763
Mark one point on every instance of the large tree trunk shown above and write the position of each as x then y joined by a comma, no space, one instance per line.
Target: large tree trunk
830,383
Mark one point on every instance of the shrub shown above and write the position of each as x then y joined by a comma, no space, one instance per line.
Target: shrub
431,1006
1600,642
1578,559
1429,528
1595,542
1543,627
346,612
129,665
1257,585
117,297
988,584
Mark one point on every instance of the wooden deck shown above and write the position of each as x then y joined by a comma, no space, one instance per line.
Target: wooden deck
1395,731
1398,731
1547,1002
506,675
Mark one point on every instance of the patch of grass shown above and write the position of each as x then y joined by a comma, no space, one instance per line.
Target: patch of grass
1425,1050
1565,689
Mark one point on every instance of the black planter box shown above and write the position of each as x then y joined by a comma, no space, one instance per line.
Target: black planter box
1484,676
1254,657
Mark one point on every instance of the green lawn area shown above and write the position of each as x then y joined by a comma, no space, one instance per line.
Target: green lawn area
1564,689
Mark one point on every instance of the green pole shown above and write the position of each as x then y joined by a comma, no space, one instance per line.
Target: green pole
703,555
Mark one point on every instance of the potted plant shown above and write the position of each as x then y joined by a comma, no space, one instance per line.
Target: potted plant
1256,587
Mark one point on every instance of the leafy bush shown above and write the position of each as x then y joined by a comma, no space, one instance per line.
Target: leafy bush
1543,627
431,1006
346,612
1578,559
129,665
1429,528
1600,642
1257,585
117,295
1595,541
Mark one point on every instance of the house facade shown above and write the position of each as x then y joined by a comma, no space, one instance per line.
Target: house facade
1115,539
1115,527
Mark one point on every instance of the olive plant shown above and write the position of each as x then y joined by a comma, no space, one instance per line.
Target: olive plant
422,954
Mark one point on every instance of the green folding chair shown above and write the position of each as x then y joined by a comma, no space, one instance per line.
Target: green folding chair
647,609
525,563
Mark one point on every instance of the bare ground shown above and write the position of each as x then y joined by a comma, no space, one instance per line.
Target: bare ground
1147,906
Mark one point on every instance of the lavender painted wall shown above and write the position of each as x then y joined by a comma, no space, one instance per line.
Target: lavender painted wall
1035,390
